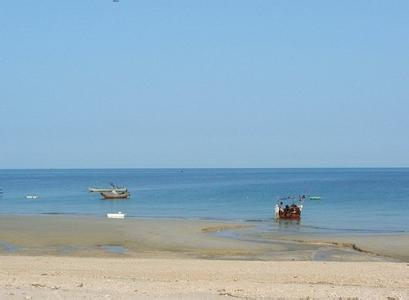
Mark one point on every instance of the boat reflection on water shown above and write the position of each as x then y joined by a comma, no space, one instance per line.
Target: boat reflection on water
286,223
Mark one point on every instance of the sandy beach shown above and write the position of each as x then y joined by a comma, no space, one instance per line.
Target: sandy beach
137,278
66,257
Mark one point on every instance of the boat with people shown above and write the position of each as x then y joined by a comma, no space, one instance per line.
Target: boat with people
114,194
288,209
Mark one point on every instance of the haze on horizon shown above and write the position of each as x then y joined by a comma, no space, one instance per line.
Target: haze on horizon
87,84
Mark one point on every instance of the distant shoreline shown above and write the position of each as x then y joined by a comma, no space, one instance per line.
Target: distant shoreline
210,168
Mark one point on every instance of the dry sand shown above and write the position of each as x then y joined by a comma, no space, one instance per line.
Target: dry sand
137,278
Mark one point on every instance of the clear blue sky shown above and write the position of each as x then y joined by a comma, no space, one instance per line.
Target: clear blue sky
223,83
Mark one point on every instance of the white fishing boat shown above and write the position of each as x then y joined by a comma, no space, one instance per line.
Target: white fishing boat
105,190
118,215
110,189
32,197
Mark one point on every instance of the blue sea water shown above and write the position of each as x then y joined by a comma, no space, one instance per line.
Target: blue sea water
355,200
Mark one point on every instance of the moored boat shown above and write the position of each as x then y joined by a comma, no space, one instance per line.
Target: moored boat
110,189
102,190
115,195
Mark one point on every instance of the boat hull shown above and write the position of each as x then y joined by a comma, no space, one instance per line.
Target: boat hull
291,216
292,213
112,195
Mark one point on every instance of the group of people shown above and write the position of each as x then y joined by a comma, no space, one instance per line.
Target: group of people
289,209
286,211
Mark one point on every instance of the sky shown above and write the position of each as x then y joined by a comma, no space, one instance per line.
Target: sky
214,83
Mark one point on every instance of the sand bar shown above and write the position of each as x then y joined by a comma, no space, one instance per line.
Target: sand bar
149,238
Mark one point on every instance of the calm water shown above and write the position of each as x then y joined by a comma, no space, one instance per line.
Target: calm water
352,200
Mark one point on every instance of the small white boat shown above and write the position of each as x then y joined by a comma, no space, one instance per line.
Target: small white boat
102,190
111,189
118,215
31,196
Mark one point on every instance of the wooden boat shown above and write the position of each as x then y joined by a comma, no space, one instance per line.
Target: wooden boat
118,215
288,212
115,195
315,198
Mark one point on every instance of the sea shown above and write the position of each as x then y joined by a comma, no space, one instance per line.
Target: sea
362,200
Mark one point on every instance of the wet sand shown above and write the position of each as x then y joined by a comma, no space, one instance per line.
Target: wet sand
386,246
91,236
101,237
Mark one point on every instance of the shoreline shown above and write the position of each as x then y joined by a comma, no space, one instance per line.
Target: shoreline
79,236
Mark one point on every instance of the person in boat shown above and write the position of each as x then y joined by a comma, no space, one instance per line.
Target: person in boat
295,209
280,207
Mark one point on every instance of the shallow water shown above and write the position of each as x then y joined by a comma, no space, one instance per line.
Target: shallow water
99,237
363,201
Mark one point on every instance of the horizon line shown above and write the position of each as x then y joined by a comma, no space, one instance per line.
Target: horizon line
205,168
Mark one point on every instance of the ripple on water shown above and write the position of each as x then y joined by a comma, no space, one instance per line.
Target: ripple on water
7,247
114,249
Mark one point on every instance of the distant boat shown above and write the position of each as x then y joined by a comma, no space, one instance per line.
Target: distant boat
115,195
315,198
31,196
102,190
111,189
118,215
